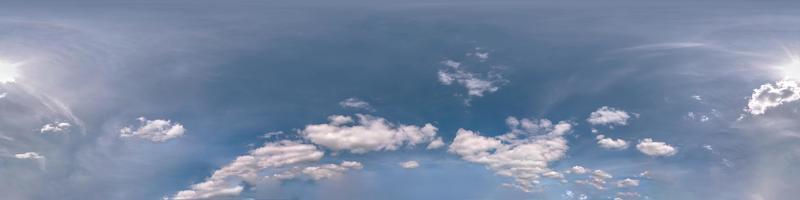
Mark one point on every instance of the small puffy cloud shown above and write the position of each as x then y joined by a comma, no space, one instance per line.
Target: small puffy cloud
522,154
356,103
770,95
697,97
58,127
29,156
578,170
32,156
627,183
158,130
3,95
653,148
435,144
553,175
477,85
597,179
411,164
320,172
226,181
608,116
368,133
609,143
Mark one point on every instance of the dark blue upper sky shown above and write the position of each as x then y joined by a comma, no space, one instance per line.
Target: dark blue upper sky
399,100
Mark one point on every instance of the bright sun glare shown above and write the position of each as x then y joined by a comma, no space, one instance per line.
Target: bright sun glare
791,69
8,71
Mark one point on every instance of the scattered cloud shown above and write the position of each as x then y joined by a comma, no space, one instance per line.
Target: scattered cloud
608,116
627,183
697,97
609,143
32,156
29,156
356,103
699,117
477,85
578,170
482,56
597,180
320,172
411,164
522,154
158,130
653,148
226,182
770,95
3,95
57,127
627,195
369,133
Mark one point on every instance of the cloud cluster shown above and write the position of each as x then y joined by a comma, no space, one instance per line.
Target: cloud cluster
158,130
653,148
522,154
320,172
368,133
609,143
356,103
226,181
59,127
598,179
608,116
477,85
773,95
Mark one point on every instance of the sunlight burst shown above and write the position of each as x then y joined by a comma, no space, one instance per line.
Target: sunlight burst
791,69
8,72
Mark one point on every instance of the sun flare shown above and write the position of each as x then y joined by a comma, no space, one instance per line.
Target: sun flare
791,68
8,72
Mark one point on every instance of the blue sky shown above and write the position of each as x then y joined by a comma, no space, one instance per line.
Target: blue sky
251,99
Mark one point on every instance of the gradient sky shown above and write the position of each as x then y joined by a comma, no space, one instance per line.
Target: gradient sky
352,99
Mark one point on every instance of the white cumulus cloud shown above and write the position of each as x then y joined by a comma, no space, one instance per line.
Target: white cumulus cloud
609,143
58,127
368,133
158,130
226,181
411,164
770,95
608,116
627,183
578,170
522,154
653,148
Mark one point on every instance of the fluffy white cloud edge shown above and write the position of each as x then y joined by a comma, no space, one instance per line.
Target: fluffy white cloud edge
367,133
770,95
158,130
